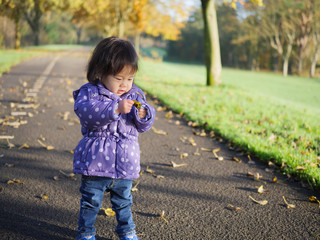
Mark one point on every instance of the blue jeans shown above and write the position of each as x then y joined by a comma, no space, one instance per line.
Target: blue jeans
92,190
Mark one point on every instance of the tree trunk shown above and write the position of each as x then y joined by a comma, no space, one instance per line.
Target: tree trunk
137,43
286,61
212,45
314,62
17,43
79,31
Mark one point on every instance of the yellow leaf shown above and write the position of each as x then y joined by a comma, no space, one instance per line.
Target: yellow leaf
237,159
300,168
288,205
263,202
275,180
148,170
14,181
162,216
205,149
49,147
174,165
44,196
261,189
183,155
25,145
161,132
108,211
136,104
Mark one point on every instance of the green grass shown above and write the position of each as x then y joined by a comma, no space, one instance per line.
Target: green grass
54,47
11,57
8,58
274,118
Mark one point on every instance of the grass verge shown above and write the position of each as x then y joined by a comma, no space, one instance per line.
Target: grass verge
270,124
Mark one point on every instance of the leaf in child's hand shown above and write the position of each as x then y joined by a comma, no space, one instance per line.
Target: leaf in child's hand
136,104
263,202
174,165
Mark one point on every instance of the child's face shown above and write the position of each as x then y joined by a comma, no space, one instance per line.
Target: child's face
121,82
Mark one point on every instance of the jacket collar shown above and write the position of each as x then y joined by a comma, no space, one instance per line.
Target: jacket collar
104,91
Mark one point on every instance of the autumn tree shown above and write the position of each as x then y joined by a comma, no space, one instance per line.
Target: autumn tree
14,10
315,35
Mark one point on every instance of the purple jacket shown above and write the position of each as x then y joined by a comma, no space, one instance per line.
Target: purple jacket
109,147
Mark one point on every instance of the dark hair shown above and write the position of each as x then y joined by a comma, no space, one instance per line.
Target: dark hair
109,57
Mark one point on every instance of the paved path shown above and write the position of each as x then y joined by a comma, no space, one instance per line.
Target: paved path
197,199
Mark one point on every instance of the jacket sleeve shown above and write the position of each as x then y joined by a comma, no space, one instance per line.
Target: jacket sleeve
91,110
145,124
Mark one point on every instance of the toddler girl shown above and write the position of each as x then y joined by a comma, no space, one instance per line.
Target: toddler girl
108,155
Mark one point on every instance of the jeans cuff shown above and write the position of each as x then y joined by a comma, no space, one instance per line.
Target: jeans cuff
86,235
127,234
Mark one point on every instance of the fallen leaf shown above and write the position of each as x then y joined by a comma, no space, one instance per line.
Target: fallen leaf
288,205
9,165
10,145
108,211
261,189
161,132
162,216
275,180
1,189
44,196
45,146
169,114
173,164
250,161
25,145
300,168
134,188
192,142
56,178
14,181
69,175
263,202
148,170
158,176
196,152
205,149
237,159
233,208
183,155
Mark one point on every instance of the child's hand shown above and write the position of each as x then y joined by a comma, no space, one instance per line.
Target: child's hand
142,113
124,106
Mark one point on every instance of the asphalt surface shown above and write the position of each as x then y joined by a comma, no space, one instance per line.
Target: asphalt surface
204,199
